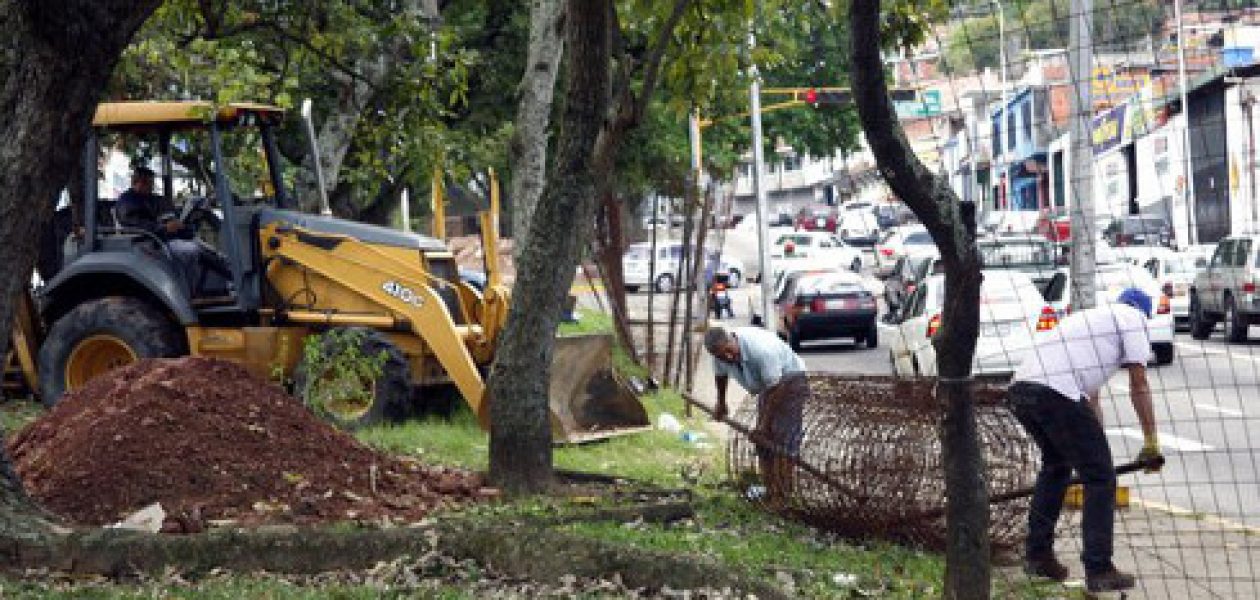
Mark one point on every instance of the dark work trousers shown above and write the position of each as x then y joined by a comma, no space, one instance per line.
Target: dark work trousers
1070,438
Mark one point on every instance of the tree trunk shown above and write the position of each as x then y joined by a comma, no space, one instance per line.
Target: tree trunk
56,59
520,433
952,225
527,150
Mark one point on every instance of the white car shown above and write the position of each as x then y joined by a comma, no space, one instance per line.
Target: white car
896,243
1174,272
858,228
817,245
1111,278
1012,310
637,269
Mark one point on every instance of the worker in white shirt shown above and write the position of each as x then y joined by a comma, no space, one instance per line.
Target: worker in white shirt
1055,395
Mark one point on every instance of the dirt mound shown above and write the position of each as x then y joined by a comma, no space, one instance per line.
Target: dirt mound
209,441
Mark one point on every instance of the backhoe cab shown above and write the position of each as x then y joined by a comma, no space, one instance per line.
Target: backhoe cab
392,297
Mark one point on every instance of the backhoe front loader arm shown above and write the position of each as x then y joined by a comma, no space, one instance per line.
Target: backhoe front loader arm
395,286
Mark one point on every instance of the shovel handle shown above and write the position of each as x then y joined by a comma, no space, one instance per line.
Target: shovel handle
1124,469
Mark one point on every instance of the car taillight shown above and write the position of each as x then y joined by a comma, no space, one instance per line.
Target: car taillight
1249,287
1165,305
934,324
818,305
1048,319
886,251
1168,288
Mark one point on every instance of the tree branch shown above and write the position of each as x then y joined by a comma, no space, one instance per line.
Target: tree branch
652,68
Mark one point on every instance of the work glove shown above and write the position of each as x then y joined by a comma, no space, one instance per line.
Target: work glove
1151,456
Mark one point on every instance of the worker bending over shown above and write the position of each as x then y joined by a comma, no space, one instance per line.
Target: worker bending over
768,368
1054,394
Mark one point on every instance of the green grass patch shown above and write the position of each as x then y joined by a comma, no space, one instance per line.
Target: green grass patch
18,413
655,456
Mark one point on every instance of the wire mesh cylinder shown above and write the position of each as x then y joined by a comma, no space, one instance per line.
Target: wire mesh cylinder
874,449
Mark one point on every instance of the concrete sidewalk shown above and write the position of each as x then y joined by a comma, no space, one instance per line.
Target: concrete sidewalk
1175,554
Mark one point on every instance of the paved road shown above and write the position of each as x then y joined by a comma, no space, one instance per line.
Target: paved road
1207,403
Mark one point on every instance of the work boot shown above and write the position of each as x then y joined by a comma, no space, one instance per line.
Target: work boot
1110,580
1046,566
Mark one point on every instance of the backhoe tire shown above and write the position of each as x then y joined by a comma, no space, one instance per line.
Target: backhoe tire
333,379
101,335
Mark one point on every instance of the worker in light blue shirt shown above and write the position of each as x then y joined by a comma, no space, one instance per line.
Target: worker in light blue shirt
768,368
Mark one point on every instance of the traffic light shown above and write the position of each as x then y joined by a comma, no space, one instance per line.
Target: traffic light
824,96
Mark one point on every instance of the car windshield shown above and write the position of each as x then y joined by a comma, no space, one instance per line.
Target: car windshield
798,239
832,283
1015,254
638,253
1184,264
1150,224
1005,290
919,238
1117,278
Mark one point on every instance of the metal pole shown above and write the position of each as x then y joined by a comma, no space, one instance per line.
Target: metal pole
315,159
1001,145
405,209
1192,234
763,211
1081,61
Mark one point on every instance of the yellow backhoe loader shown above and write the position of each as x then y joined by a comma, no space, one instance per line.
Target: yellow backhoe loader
266,277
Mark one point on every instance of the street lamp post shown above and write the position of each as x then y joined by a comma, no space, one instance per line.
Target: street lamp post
1187,168
999,155
759,188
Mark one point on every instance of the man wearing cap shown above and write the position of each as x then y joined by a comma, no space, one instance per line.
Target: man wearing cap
140,208
1055,395
768,368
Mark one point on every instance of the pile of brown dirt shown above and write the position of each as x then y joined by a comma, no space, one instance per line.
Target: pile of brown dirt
209,441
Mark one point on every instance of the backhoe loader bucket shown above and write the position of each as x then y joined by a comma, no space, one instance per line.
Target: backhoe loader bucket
588,400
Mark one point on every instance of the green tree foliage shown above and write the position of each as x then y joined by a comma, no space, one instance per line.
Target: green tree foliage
425,97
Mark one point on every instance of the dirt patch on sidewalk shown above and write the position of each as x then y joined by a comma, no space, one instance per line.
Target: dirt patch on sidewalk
210,441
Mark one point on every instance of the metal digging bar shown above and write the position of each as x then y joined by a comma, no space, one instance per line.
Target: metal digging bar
760,441
868,464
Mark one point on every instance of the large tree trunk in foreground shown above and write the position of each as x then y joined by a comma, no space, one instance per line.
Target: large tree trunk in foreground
952,225
57,57
520,434
527,150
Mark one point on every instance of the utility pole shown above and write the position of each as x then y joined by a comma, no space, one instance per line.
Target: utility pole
1187,162
1081,62
759,188
999,145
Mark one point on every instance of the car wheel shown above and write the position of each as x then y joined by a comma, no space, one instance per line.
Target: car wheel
664,283
1235,323
1200,326
914,365
632,289
794,339
872,337
856,266
1164,353
737,278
